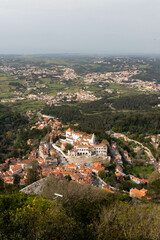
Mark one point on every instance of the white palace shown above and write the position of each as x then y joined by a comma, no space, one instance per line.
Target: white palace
84,144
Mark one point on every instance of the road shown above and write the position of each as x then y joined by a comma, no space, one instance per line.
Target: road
147,150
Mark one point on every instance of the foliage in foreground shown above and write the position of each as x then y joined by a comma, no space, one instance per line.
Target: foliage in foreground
83,213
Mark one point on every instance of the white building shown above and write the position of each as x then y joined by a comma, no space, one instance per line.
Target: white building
84,144
73,137
100,149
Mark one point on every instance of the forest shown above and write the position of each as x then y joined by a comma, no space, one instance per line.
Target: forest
141,102
97,117
10,124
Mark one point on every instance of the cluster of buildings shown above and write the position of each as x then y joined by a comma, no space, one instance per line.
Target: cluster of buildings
83,144
80,174
126,78
77,173
33,86
48,121
47,155
117,159
110,77
29,72
51,160
69,74
14,166
61,97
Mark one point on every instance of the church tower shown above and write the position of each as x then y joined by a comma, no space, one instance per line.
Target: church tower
93,139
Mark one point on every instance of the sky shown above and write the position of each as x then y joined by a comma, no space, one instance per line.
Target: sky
80,26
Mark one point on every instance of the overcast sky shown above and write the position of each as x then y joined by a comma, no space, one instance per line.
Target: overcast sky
80,26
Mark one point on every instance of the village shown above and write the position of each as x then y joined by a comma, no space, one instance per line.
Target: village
75,156
36,82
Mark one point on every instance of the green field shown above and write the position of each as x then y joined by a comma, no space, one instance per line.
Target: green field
26,105
6,90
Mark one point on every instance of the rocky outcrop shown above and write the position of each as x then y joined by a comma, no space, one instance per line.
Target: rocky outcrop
34,188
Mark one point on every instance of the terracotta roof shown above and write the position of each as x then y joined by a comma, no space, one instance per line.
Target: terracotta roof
100,145
67,173
15,168
8,180
118,175
82,146
96,164
22,180
98,168
69,130
138,193
71,166
82,168
60,168
119,167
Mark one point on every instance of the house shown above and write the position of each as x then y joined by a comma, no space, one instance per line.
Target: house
119,169
154,139
53,153
40,161
30,142
44,150
87,179
81,169
138,180
89,150
119,176
118,160
65,173
125,139
84,150
33,155
84,144
60,168
8,180
128,159
57,173
100,149
76,177
22,181
11,160
72,137
125,154
135,193
97,166
71,167
118,135
15,169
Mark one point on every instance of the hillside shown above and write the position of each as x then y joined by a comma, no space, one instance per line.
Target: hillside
83,213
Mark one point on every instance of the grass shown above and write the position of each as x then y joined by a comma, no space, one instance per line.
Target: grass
145,171
144,66
125,91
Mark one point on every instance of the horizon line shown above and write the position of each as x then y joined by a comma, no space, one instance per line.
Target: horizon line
84,54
